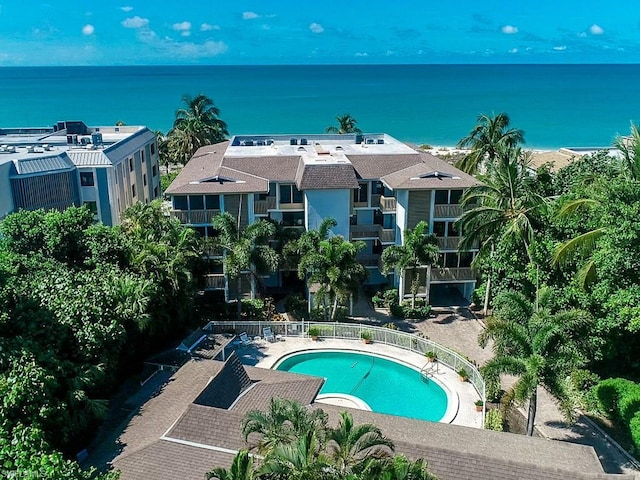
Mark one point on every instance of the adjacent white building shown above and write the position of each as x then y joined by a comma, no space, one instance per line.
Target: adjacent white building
106,168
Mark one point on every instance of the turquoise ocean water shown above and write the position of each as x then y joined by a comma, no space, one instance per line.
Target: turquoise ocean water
556,105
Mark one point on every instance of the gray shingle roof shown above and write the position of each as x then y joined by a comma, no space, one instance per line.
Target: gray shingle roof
324,176
276,169
431,173
376,166
226,386
204,437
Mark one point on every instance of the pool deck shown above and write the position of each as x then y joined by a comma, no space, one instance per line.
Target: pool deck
463,412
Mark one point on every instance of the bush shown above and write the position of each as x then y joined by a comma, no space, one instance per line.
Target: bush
493,421
463,373
390,326
298,306
314,331
378,301
391,297
396,310
417,313
253,309
619,400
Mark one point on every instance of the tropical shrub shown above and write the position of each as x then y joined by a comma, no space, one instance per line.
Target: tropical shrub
378,301
619,400
391,297
298,306
493,420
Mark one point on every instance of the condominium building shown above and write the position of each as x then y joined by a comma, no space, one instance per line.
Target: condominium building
106,168
373,185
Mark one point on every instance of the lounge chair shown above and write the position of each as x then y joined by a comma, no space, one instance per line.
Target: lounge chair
244,339
268,334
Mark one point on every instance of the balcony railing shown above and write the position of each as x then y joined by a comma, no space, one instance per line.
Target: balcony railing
194,216
261,207
387,204
452,274
375,199
448,243
365,231
447,211
369,260
388,235
214,281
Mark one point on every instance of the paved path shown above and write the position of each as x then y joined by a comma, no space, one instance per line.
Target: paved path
460,332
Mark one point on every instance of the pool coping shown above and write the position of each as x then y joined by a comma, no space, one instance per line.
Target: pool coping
453,399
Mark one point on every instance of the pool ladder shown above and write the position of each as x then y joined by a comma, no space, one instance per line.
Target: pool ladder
428,370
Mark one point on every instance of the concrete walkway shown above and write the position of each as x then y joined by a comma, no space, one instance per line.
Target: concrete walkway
460,331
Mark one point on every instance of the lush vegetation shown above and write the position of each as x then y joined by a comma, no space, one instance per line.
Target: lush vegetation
297,443
559,261
346,124
81,305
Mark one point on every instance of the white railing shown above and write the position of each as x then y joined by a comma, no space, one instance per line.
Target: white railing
350,331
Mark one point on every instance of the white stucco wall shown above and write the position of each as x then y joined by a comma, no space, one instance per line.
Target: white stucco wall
321,204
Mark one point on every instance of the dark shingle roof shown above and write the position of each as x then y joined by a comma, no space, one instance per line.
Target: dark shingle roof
276,169
431,173
226,386
376,166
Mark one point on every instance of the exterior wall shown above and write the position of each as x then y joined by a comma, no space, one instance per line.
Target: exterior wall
237,203
6,196
321,204
419,207
50,191
104,206
402,207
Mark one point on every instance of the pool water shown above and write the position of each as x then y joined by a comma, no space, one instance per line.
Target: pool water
386,386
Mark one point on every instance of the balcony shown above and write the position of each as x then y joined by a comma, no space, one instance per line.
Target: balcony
261,207
448,243
192,217
368,259
388,235
214,281
447,211
387,204
460,274
360,232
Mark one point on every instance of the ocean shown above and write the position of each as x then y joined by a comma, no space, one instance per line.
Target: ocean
556,105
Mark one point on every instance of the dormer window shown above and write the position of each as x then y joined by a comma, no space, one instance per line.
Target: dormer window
216,179
435,174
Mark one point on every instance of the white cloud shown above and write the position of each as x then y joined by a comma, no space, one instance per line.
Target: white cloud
205,27
596,29
249,15
88,29
509,29
135,22
316,28
582,35
513,50
361,54
560,48
126,8
182,26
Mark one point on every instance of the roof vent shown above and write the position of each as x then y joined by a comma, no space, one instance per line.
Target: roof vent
302,149
339,148
303,141
380,141
293,141
370,141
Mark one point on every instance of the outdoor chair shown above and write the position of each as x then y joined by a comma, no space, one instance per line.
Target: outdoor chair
244,339
268,334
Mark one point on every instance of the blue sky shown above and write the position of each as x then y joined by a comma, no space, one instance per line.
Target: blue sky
291,32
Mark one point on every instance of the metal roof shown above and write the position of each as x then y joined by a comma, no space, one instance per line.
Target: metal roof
37,165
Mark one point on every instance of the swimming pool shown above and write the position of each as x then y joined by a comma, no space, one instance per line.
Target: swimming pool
385,386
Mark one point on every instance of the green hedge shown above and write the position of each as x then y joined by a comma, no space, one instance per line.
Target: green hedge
619,399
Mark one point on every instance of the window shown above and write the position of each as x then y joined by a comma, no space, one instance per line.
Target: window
131,164
293,219
155,192
378,188
290,194
439,228
86,179
451,260
92,206
142,156
133,190
200,231
180,202
213,202
153,148
455,197
144,179
465,259
442,197
361,194
154,170
452,231
196,202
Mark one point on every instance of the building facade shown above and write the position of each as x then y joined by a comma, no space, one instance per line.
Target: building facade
374,186
106,168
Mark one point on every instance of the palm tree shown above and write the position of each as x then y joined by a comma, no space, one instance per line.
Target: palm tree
419,249
630,150
197,124
245,250
539,346
350,446
284,422
504,206
346,124
301,460
241,469
398,467
335,268
488,137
